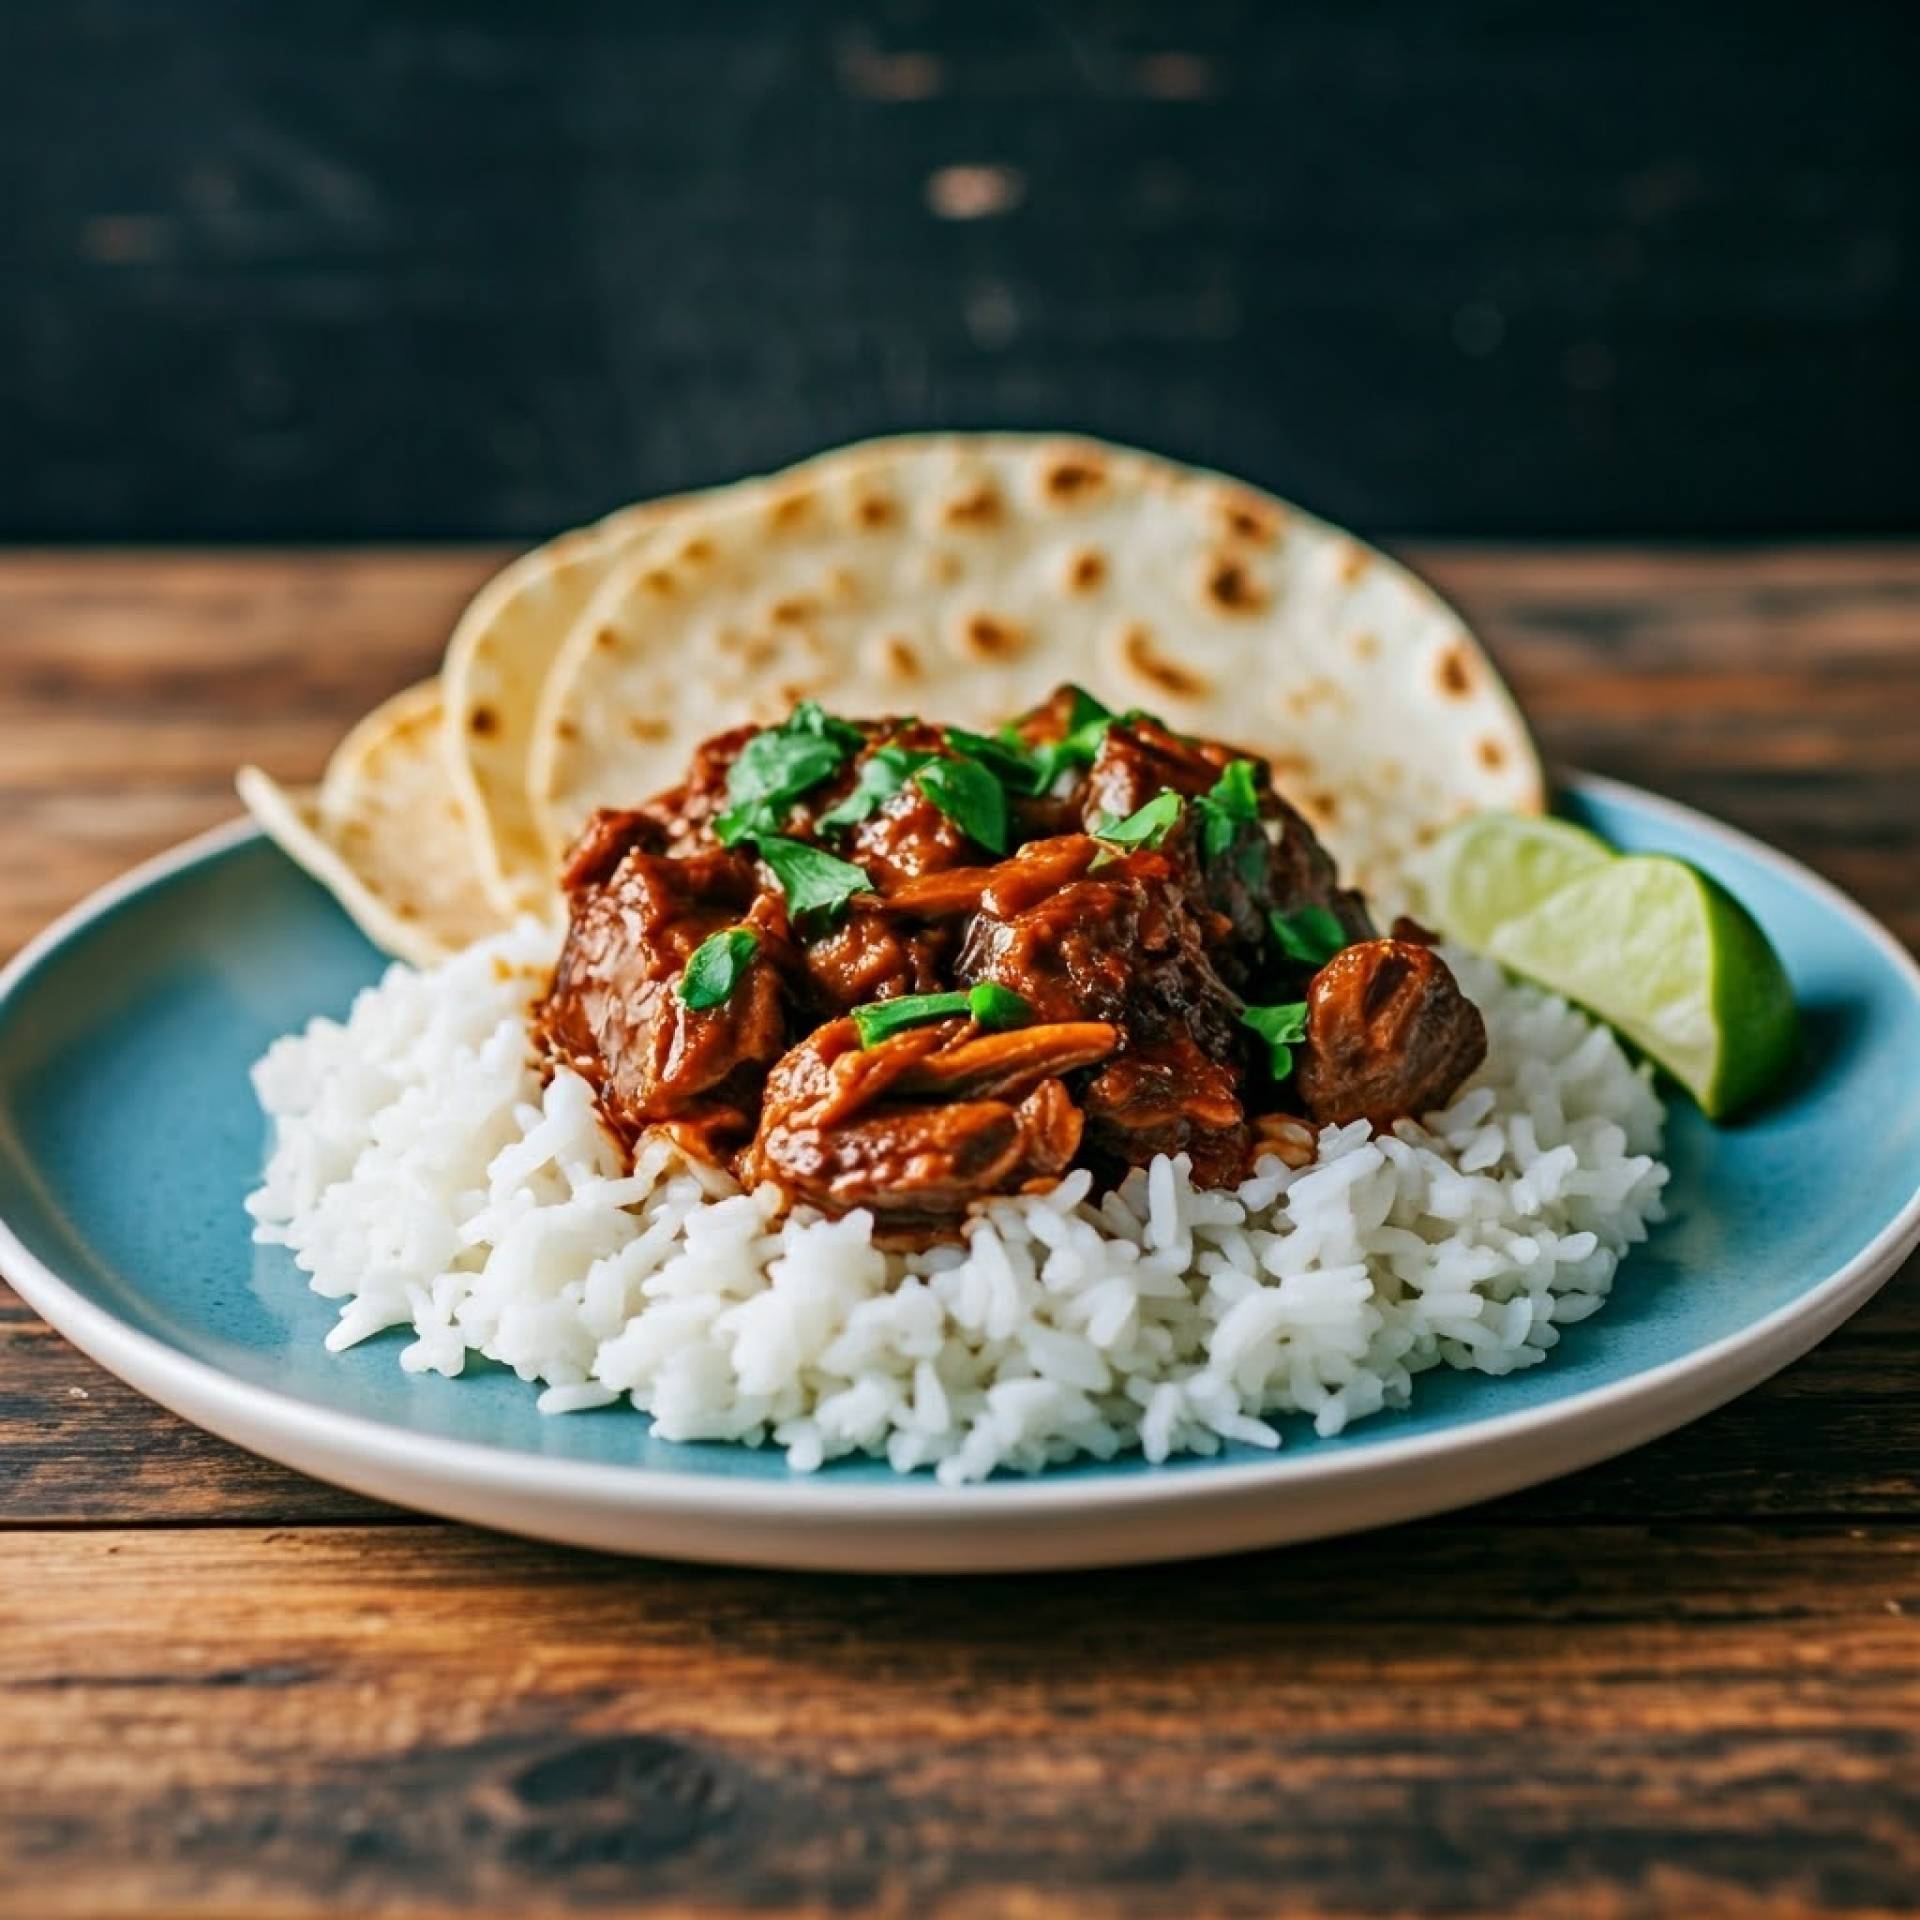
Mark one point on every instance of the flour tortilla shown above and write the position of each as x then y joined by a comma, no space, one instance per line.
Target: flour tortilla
499,656
385,832
961,577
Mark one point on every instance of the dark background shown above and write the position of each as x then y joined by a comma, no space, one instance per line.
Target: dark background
294,269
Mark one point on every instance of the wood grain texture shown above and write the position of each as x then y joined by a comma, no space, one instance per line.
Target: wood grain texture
1604,1721
1686,1682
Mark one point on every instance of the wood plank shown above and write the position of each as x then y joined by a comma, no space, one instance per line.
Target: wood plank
1599,1722
78,1446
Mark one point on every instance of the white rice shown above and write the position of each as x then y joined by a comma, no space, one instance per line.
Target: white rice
424,1177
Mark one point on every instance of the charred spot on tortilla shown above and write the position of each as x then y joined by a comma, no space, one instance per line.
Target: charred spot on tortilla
483,721
659,580
989,637
979,506
1231,586
1353,563
791,510
1493,756
1071,478
900,658
1164,675
792,610
1086,570
606,639
1455,672
874,511
1244,518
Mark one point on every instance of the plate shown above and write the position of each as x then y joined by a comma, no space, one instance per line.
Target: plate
128,1136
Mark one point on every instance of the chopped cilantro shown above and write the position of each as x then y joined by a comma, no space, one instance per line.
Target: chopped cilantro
1078,750
996,1006
1310,935
778,765
1282,1028
991,1004
968,794
1010,764
1041,765
882,774
1145,827
812,879
1234,803
716,966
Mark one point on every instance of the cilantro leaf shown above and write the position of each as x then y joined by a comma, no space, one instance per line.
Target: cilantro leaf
1233,803
882,1019
1085,708
1310,935
1076,750
811,718
1087,724
1282,1028
1008,761
991,1004
716,967
778,765
970,797
996,1006
1145,827
882,774
811,878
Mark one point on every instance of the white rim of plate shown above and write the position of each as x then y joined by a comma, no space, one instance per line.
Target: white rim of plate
167,1375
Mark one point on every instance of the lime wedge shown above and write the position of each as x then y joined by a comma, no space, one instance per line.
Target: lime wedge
1671,959
1494,867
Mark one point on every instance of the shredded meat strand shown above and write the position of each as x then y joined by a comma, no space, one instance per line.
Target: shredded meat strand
1133,965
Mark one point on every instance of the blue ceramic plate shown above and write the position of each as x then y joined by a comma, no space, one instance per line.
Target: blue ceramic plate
128,1136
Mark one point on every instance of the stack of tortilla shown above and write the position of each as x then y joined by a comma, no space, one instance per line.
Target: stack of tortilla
958,576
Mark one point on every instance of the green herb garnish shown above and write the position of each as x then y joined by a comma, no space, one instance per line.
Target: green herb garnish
996,1006
716,967
1074,753
1087,724
989,1003
969,795
1282,1028
1310,935
1145,827
1008,762
812,879
1233,803
778,765
882,774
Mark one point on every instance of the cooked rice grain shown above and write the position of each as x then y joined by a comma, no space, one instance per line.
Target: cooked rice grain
422,1175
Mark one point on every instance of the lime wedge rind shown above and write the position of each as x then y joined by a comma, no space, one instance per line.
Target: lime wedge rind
1664,954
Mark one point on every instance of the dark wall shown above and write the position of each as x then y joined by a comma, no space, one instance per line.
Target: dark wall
302,268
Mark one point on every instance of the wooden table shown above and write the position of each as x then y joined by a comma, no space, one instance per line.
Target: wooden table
1686,1683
